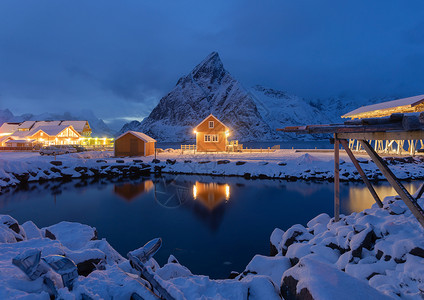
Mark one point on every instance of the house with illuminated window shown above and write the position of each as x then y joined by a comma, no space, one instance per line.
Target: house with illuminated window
31,133
48,135
211,135
82,127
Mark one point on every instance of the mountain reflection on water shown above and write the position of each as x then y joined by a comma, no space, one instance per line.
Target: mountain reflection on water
213,225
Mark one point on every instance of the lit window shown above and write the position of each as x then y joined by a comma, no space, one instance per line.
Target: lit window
211,124
211,138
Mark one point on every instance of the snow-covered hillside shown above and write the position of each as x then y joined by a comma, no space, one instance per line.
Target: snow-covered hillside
208,88
97,125
280,109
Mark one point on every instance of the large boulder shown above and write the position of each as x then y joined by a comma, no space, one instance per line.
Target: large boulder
72,235
311,279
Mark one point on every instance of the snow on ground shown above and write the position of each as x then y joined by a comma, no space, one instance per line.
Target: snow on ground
284,164
374,254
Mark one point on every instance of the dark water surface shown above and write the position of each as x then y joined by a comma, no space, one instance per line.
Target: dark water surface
212,225
321,144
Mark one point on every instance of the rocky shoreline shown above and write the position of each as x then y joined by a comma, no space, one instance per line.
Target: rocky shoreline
303,167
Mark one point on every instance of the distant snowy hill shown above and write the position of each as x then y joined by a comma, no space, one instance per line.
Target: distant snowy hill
209,88
97,125
280,109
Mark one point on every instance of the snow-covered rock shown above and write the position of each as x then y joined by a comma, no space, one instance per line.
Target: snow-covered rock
311,279
72,235
114,278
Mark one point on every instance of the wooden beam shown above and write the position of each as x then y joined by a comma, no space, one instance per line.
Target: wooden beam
336,180
339,128
361,172
389,135
410,202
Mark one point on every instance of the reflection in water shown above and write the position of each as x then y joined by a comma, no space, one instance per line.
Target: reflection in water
129,191
211,194
360,197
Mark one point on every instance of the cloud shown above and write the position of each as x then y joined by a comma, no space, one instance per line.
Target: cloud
119,59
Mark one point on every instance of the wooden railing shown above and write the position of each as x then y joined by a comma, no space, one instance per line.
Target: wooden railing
188,147
17,149
258,150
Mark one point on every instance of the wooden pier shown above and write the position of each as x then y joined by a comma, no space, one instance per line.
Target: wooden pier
395,127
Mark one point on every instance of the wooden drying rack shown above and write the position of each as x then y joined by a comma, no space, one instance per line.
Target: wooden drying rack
395,127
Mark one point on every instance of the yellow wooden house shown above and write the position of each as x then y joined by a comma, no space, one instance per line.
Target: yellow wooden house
211,135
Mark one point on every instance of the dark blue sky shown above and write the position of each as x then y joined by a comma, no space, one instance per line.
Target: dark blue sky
118,58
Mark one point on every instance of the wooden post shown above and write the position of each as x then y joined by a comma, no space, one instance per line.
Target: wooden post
336,180
361,172
412,204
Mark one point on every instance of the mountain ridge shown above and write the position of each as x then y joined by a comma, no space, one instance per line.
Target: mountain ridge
253,113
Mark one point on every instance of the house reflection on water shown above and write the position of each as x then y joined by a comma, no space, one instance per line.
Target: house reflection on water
206,200
211,194
130,191
172,194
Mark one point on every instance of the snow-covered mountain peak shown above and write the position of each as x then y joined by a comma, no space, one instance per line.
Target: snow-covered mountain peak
208,88
208,75
252,114
210,65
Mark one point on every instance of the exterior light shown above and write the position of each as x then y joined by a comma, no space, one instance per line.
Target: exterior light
227,133
194,131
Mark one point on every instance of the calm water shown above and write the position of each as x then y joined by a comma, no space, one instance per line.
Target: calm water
212,225
325,144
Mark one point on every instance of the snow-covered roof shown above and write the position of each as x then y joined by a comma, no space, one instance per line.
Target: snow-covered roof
20,134
140,135
78,125
403,105
46,123
4,138
214,118
49,130
9,127
26,125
